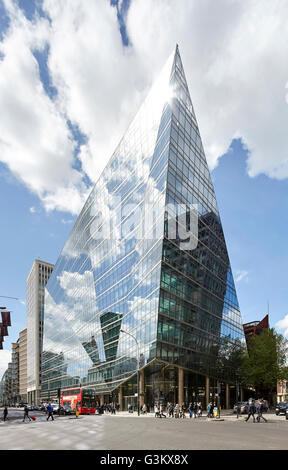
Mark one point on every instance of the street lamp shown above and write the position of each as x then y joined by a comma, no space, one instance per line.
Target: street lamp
138,365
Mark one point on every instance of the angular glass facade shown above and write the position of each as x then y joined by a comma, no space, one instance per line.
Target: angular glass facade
122,272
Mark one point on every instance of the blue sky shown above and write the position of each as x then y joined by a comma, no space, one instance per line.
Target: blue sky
250,180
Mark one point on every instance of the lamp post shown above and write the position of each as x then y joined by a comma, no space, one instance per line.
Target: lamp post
138,364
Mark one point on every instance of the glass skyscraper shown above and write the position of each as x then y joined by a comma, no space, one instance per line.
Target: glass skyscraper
144,278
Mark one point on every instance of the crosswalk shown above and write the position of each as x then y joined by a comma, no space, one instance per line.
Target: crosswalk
77,434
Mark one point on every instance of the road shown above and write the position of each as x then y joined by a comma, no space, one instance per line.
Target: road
124,432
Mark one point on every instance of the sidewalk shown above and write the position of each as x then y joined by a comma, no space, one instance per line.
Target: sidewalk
225,415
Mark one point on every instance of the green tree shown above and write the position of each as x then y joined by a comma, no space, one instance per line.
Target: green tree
265,363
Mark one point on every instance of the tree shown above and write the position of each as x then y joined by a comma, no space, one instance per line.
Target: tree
265,363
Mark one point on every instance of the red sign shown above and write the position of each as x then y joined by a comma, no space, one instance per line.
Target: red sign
3,330
6,320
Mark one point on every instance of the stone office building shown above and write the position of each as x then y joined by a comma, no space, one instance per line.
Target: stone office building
35,289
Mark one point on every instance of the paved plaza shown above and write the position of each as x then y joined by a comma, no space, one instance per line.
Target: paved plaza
130,432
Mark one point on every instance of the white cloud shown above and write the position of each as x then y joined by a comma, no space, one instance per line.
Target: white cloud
35,142
241,275
67,221
235,58
5,357
283,325
92,73
234,55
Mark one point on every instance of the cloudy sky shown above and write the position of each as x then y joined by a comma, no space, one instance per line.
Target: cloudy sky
72,76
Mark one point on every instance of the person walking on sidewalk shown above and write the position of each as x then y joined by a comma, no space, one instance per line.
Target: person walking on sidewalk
50,412
190,409
156,411
238,410
251,411
161,411
26,414
260,411
5,413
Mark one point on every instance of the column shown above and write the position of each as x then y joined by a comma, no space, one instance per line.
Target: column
102,399
227,397
207,390
180,385
141,387
241,394
120,398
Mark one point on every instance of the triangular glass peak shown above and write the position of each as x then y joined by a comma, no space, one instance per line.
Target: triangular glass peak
123,292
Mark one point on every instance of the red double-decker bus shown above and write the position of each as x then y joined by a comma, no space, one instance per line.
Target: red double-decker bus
82,398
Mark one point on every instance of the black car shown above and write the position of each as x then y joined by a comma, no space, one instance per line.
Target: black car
286,413
281,408
66,410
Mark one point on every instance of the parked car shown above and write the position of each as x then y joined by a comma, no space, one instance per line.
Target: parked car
281,408
66,410
55,407
286,413
243,407
36,408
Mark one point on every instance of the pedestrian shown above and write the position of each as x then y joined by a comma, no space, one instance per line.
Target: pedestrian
161,411
176,411
260,411
26,414
195,410
5,413
183,409
50,412
156,411
238,410
208,410
251,411
190,409
144,409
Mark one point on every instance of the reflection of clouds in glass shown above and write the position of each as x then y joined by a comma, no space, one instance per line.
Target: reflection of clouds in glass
57,337
118,275
68,324
143,307
77,285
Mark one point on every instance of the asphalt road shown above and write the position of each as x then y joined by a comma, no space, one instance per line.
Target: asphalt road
124,432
